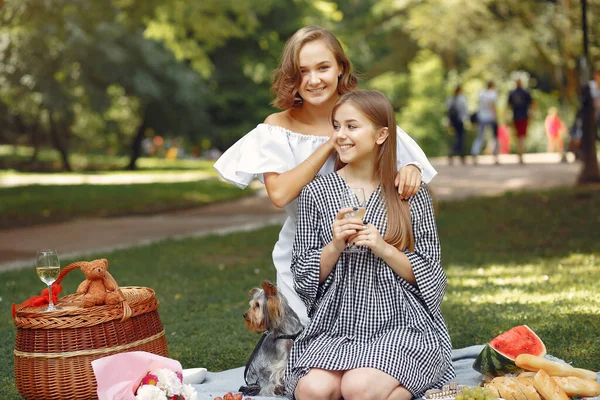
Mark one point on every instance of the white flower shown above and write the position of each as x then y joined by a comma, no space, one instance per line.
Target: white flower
168,381
189,393
150,392
168,385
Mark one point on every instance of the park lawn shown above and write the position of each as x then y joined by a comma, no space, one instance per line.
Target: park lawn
49,160
516,259
38,204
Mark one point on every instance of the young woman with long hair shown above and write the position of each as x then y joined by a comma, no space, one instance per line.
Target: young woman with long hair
376,330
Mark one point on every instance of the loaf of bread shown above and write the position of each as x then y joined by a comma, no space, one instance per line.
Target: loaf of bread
553,368
547,387
573,385
513,388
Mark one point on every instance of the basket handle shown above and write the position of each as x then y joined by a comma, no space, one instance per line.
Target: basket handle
65,270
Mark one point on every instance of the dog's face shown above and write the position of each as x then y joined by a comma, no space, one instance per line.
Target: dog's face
264,311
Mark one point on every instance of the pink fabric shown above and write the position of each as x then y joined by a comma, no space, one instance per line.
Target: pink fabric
119,375
503,139
553,125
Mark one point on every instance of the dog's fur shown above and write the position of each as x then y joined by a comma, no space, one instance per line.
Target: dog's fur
269,312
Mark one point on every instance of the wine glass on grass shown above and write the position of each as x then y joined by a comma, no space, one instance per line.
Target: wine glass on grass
355,198
48,268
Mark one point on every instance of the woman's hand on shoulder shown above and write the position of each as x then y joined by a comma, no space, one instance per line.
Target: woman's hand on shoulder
408,181
369,236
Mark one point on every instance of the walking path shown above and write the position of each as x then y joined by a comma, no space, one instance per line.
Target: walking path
99,235
125,178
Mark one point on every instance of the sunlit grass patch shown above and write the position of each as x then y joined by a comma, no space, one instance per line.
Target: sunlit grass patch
556,297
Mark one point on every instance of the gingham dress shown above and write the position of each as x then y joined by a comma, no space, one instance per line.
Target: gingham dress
269,148
364,315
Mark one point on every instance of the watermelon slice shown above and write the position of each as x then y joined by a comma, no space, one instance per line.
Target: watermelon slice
498,356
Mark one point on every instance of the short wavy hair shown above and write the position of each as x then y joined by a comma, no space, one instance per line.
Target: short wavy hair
287,76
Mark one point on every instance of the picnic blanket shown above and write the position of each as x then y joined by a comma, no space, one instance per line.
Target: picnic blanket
219,383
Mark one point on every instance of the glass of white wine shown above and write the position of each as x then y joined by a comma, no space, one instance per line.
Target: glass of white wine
355,198
48,268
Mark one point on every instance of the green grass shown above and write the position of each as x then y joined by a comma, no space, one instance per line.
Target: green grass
17,158
525,259
518,259
35,204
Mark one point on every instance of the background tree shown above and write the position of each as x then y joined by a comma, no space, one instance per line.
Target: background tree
99,76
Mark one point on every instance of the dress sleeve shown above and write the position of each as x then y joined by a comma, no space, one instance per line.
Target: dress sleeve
306,252
426,258
259,151
409,151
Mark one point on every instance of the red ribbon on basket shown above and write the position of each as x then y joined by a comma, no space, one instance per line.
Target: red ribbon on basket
42,299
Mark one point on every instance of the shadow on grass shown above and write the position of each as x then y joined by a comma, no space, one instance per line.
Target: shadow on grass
38,204
520,227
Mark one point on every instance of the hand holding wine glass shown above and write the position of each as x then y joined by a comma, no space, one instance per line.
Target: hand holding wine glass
355,198
48,268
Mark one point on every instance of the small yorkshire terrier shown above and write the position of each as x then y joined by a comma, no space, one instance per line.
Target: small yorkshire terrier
271,315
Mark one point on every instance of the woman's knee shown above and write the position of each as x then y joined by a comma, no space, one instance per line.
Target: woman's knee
367,384
319,385
363,389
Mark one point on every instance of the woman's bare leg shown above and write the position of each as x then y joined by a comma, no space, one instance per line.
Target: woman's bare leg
400,393
319,384
371,384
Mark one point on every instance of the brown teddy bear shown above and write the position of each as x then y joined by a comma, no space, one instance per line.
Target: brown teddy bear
100,287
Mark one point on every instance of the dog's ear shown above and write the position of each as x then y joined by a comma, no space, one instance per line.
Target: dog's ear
274,311
253,292
269,288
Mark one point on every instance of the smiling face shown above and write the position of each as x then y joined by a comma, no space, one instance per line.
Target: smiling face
356,137
319,71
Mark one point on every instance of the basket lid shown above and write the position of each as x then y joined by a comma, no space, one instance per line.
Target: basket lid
70,315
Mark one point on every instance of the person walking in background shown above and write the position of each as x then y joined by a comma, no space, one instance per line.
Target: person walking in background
595,91
555,129
486,117
503,139
520,100
457,114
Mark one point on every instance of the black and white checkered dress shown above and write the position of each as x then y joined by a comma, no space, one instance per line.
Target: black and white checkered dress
364,315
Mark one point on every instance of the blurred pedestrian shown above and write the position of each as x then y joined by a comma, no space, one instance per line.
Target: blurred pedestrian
520,101
595,91
555,129
504,139
457,115
486,117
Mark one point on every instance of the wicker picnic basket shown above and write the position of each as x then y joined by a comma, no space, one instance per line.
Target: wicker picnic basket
54,350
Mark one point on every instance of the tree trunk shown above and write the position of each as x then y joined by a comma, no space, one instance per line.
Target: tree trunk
59,143
136,144
34,137
590,171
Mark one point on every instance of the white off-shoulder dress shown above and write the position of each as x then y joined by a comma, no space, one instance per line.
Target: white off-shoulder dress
269,148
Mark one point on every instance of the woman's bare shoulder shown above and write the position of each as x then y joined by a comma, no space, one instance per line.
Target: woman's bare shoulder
281,119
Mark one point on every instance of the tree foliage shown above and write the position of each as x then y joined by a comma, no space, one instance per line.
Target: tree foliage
92,76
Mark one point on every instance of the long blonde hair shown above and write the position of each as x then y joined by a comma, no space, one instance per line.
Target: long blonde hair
376,107
287,76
